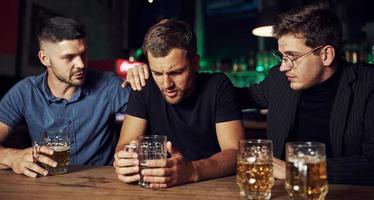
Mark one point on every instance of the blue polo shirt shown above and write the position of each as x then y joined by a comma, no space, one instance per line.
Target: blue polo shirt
89,117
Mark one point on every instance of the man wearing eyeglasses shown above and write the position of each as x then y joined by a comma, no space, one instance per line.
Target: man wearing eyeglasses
314,95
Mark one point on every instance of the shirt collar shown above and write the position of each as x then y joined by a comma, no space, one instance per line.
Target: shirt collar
80,93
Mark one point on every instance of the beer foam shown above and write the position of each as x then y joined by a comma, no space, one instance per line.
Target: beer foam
251,159
60,148
307,159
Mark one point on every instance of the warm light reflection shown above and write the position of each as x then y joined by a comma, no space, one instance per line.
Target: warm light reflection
123,65
263,31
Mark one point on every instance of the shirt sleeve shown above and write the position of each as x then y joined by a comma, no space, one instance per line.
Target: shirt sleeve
356,169
227,104
12,105
257,95
119,95
137,106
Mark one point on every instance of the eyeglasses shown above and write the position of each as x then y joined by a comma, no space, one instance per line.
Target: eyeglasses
289,62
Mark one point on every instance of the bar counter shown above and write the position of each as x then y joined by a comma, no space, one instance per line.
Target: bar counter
87,182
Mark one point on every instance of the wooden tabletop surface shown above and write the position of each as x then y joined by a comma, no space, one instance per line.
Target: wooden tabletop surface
84,182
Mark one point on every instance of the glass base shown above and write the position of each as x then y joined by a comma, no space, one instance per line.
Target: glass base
255,195
302,197
57,170
144,184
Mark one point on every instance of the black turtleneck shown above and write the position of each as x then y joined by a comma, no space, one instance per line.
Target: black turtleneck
313,114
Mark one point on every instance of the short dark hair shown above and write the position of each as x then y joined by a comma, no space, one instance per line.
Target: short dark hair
318,24
168,34
57,29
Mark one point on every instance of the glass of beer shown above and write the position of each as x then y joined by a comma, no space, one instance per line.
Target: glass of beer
152,147
59,141
306,176
254,174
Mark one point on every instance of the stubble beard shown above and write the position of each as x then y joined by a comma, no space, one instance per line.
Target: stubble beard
67,81
177,99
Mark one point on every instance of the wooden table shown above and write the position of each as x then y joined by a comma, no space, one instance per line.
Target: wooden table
101,183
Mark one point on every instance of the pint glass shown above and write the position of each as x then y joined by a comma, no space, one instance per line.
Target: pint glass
306,176
255,169
152,147
59,141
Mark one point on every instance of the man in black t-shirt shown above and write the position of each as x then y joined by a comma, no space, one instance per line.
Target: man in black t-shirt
199,114
314,95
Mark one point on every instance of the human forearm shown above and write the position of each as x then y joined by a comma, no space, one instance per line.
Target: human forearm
177,170
355,170
244,98
5,153
131,145
6,157
119,147
251,97
224,162
220,164
132,128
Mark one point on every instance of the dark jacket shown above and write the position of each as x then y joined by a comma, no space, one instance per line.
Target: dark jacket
351,121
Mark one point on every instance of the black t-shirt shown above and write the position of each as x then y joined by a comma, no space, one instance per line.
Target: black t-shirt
190,124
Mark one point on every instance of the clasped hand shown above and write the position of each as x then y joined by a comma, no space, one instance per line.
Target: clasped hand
22,162
161,173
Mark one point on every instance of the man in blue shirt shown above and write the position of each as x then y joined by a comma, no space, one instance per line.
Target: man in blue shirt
67,96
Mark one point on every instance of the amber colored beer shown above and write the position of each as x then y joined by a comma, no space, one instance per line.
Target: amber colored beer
255,178
62,156
307,180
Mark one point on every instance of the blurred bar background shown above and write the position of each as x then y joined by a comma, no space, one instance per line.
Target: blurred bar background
115,31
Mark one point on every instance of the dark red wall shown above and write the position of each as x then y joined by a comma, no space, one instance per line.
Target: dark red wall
9,13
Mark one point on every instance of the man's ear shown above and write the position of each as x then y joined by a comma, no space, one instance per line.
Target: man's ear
328,54
44,58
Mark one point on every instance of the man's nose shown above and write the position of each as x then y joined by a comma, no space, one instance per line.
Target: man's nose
284,67
80,62
167,82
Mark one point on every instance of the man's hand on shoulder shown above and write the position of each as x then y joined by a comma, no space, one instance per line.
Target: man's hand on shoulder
136,77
